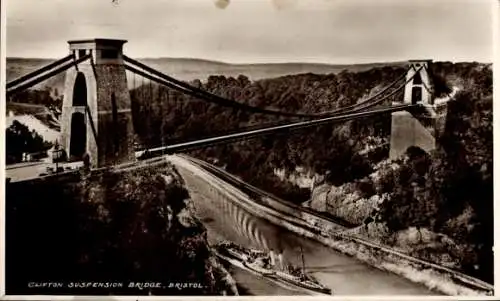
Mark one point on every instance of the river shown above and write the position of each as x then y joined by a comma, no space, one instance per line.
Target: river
225,220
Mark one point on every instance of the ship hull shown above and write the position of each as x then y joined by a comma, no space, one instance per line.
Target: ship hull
295,281
280,278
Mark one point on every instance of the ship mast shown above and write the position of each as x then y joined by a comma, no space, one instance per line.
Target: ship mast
303,261
280,257
273,262
160,95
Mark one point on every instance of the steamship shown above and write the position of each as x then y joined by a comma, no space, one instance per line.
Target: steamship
270,266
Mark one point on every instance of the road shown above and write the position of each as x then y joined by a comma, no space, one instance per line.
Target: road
225,220
30,170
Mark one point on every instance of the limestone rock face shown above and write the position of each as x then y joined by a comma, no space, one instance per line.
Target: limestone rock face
318,199
344,202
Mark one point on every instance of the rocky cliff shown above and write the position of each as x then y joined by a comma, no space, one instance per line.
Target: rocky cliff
354,202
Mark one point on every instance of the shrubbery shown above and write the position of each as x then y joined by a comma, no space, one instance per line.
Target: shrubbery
449,191
48,97
114,227
327,149
20,140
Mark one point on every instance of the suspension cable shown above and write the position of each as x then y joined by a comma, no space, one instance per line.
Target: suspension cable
208,94
148,108
134,85
37,80
387,96
265,131
353,106
225,103
217,99
423,83
235,130
160,100
355,109
365,104
37,72
143,89
284,122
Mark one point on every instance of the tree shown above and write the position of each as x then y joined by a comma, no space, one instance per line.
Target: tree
19,140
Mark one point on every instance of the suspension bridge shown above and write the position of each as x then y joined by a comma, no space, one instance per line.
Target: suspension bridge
97,125
96,118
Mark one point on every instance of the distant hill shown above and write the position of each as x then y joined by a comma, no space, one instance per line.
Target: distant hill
17,67
190,69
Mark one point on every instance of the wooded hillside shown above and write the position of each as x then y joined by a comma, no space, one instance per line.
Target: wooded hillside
449,191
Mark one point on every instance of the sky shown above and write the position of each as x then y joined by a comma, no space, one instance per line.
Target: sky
259,31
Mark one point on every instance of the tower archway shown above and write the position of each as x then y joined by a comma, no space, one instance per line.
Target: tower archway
80,91
417,80
97,91
418,88
78,143
416,95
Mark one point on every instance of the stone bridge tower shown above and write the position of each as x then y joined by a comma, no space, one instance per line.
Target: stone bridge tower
96,115
418,90
422,128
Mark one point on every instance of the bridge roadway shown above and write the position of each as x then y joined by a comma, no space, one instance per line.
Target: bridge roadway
225,219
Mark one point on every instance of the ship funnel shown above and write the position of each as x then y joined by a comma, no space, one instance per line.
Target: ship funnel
280,258
273,261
